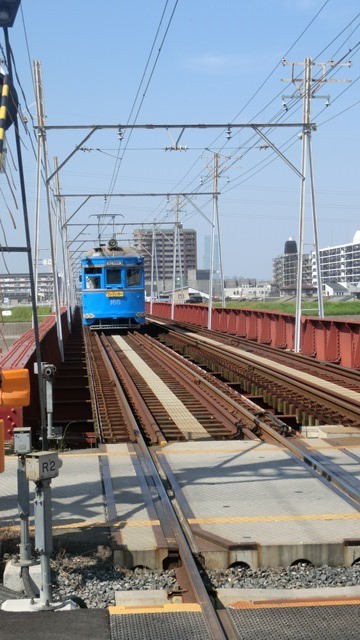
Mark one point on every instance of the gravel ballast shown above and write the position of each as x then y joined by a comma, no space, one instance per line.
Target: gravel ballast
95,579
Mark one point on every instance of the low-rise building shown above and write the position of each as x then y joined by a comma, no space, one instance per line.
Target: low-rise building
15,288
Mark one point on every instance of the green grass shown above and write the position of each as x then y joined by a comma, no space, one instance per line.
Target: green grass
308,307
24,314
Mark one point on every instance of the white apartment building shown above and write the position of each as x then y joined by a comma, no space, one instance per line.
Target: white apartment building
339,264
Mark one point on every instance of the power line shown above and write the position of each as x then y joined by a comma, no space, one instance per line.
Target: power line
296,101
119,161
270,75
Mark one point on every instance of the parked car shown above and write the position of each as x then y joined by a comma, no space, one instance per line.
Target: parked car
194,300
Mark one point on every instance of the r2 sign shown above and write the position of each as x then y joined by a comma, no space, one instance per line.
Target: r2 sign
42,465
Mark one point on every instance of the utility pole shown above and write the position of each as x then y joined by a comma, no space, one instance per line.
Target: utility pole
212,239
307,87
42,136
152,269
68,297
176,248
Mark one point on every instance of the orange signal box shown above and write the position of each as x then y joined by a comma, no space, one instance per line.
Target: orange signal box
2,446
15,387
14,391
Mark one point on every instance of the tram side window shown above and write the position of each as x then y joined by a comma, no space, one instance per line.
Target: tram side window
113,276
93,282
133,276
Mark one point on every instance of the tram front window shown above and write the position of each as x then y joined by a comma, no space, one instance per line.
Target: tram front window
133,277
113,276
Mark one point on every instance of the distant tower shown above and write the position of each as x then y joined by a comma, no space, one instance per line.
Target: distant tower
206,257
290,246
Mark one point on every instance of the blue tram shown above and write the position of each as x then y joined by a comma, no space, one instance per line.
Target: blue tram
113,291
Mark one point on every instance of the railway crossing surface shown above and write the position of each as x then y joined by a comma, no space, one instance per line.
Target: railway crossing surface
242,502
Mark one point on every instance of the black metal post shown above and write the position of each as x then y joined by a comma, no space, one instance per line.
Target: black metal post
29,253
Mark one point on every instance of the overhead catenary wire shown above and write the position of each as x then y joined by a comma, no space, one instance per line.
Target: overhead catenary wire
119,160
270,75
265,162
339,34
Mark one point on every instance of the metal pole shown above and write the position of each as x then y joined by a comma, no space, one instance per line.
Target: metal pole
174,256
306,104
43,537
49,407
220,254
24,512
65,257
37,218
181,266
152,269
321,311
212,242
156,269
30,261
42,134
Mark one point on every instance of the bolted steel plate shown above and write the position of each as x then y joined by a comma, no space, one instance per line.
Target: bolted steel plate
311,622
159,626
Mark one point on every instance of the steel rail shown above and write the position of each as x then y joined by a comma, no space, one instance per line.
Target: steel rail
250,411
331,371
192,380
146,418
329,470
289,380
209,417
211,618
234,401
316,392
91,378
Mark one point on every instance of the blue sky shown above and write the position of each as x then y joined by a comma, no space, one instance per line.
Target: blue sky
215,57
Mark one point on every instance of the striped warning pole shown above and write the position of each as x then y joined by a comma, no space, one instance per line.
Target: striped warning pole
3,114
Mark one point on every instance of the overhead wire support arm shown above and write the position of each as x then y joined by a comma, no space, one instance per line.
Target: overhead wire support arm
6,249
76,210
78,146
97,127
235,125
136,195
278,152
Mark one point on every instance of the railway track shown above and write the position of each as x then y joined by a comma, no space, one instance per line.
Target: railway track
128,375
188,571
214,409
328,371
305,393
127,406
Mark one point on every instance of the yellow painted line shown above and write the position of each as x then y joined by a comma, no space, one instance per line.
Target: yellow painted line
232,520
299,518
93,524
209,451
332,448
112,523
292,603
166,608
119,454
